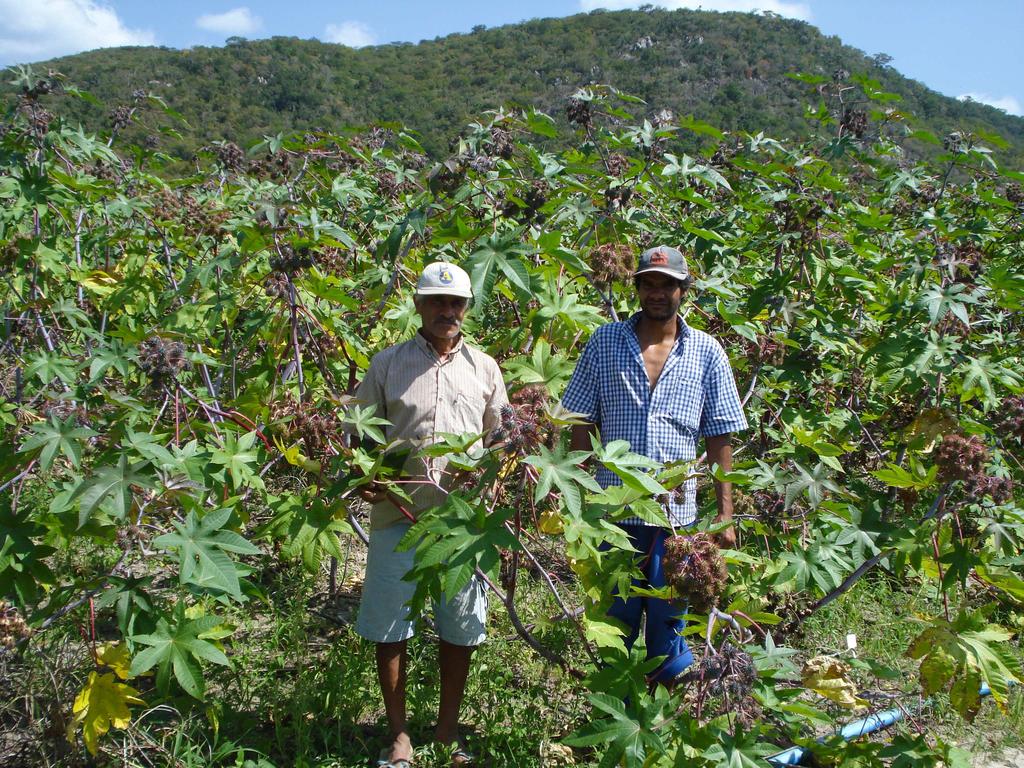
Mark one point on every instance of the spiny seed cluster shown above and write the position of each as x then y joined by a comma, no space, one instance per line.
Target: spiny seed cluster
276,284
446,177
1013,417
230,155
731,671
611,262
378,137
855,121
964,458
957,141
617,164
297,421
331,260
1015,193
524,421
481,163
291,260
275,166
769,507
840,75
13,628
534,198
197,218
39,121
501,143
960,457
618,197
120,117
578,112
161,360
694,568
414,160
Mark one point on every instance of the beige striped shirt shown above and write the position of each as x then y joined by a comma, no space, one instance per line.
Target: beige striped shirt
423,394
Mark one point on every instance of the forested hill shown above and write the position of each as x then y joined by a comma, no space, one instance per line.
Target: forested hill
726,69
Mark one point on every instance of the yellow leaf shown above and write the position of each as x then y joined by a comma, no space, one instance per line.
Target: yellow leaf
99,282
291,455
550,522
929,426
295,457
100,705
830,678
115,656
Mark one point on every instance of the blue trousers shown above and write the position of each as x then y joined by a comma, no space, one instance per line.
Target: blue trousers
664,622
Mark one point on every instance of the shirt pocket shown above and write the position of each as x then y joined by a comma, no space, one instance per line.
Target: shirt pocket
468,410
681,404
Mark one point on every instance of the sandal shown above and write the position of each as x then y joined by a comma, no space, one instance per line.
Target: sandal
384,762
462,757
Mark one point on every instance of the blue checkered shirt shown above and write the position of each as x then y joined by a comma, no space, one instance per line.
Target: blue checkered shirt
695,396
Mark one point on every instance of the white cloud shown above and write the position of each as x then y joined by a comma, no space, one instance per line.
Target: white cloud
354,34
795,10
1008,104
31,30
237,21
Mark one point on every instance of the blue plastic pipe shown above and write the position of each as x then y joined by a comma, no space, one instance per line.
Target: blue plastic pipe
854,730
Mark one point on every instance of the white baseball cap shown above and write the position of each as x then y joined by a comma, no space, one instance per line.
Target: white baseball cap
444,278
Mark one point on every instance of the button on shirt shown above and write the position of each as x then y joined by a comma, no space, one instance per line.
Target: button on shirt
423,394
694,397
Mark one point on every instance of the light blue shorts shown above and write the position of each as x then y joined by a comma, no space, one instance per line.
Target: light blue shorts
384,615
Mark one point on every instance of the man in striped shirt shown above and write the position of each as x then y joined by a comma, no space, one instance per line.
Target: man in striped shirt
660,385
433,383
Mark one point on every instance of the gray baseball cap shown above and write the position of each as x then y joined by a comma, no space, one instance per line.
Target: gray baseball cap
665,259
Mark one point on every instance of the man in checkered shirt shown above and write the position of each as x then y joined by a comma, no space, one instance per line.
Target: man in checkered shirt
660,385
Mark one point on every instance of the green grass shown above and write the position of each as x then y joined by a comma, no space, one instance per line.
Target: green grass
870,610
302,690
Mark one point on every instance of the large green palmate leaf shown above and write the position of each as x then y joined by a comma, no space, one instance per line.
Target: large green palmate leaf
176,648
453,541
56,435
494,258
111,486
964,653
237,459
561,470
203,545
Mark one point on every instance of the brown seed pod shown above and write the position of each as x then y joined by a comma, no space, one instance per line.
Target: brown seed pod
695,569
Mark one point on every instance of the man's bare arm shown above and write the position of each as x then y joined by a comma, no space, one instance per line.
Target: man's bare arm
719,449
579,440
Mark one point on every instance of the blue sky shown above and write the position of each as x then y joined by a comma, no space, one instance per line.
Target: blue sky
957,48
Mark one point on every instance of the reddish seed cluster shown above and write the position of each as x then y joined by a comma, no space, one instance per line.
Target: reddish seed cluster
731,671
611,262
960,457
578,112
964,458
617,197
161,360
1013,417
694,568
291,260
317,430
120,117
524,421
855,121
501,143
12,626
617,164
230,155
